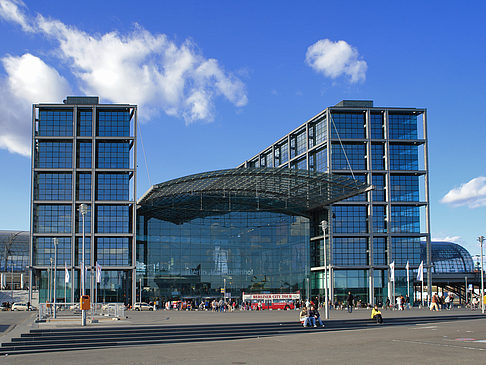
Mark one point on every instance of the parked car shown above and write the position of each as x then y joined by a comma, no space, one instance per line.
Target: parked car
142,307
20,307
108,306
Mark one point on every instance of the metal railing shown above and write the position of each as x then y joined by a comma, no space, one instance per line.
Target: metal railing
72,310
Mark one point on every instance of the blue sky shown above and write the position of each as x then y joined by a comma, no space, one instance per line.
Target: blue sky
218,81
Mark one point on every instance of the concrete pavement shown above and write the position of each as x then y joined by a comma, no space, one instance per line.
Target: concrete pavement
444,339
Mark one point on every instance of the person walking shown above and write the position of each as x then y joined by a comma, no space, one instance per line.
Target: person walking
434,301
350,300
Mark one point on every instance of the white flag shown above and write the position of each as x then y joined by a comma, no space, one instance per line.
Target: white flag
66,273
408,268
98,272
392,271
420,273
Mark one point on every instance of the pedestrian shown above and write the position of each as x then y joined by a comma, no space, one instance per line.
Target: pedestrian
350,300
387,303
433,304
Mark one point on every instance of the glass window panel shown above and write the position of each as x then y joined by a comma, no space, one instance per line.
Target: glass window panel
348,125
350,219
355,154
51,186
56,154
52,218
113,123
55,123
402,126
85,123
403,157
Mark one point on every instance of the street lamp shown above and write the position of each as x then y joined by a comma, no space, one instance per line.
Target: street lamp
83,209
324,227
481,239
55,241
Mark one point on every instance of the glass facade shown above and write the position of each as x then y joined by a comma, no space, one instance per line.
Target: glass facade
254,251
383,147
73,170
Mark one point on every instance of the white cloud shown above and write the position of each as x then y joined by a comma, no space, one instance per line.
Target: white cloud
10,10
455,239
471,194
29,80
334,59
140,68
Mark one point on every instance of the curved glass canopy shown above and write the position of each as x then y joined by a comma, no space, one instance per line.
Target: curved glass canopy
449,257
288,191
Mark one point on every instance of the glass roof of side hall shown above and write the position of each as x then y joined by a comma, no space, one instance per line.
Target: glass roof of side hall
288,191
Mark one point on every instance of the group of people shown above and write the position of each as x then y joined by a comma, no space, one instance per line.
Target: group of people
310,317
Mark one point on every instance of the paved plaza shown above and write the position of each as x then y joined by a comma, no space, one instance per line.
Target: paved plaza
417,336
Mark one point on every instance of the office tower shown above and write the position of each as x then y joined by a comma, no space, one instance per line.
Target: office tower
382,146
83,152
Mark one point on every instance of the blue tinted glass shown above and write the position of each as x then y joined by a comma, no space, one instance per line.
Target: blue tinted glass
318,160
112,186
350,219
51,186
405,219
113,251
44,251
378,156
54,155
55,123
378,182
85,123
404,188
113,219
349,125
379,251
402,126
355,154
84,155
52,218
258,250
376,121
379,219
403,157
113,123
79,250
406,249
350,251
113,155
84,186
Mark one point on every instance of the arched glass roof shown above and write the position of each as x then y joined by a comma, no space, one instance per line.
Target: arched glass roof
289,191
449,257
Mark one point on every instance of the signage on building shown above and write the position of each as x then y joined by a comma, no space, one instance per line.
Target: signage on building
288,296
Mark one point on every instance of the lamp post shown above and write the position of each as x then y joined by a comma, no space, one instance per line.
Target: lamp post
481,239
55,241
83,209
50,280
324,227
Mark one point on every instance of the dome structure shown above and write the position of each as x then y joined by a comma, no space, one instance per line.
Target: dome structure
449,257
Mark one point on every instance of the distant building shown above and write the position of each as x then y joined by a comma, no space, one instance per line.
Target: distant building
84,152
14,259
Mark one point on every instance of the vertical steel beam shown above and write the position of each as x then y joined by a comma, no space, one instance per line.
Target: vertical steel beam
427,207
134,206
31,233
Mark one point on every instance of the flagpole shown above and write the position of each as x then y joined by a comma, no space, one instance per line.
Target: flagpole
422,294
408,282
65,299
